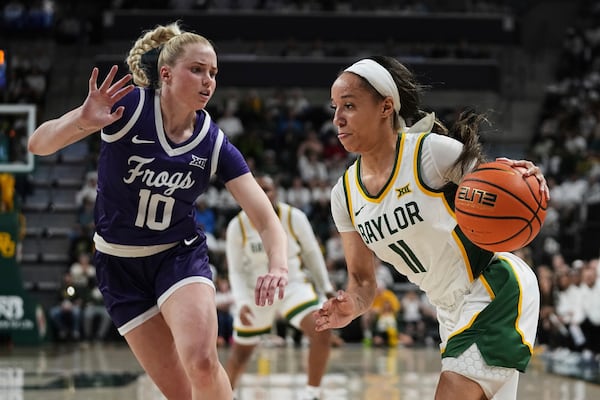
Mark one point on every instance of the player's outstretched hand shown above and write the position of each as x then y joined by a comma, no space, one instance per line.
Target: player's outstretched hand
267,286
336,312
532,169
96,111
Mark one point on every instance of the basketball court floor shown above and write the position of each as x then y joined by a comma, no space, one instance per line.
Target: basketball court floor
109,372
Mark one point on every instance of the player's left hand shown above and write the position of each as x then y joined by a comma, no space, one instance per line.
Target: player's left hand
267,285
246,315
531,169
336,312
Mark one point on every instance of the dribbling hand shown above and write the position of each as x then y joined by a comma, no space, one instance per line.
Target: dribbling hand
532,169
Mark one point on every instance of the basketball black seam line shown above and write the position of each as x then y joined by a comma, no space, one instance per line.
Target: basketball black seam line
534,213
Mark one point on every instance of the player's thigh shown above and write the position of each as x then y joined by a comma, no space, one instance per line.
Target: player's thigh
191,314
452,386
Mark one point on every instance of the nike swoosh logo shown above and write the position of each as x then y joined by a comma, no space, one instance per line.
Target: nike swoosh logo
137,140
359,210
188,242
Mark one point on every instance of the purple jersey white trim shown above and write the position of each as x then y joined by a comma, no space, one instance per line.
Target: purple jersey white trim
148,185
123,131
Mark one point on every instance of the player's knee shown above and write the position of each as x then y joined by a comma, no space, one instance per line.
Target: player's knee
204,366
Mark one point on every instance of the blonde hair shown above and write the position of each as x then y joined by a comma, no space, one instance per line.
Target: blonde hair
169,41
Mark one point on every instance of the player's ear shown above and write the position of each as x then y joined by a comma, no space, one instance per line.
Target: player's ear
165,73
388,106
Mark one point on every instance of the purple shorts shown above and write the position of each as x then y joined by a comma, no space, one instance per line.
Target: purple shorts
134,288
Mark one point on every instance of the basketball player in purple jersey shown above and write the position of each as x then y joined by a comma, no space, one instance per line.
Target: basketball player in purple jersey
159,150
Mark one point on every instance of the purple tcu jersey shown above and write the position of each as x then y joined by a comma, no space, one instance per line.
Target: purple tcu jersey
147,185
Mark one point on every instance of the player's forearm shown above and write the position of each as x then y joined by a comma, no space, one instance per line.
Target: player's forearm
56,134
275,242
362,291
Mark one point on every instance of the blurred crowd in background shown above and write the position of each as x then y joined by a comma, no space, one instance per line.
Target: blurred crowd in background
290,137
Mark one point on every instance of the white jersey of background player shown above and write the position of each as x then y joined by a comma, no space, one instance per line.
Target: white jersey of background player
246,259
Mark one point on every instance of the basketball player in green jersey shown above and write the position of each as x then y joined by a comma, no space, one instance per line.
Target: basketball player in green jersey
396,201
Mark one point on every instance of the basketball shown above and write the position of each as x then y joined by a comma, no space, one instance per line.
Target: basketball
499,209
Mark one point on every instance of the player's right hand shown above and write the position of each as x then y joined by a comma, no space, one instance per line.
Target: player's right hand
269,284
96,111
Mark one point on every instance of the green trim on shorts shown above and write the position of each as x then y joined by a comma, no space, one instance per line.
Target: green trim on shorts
258,332
298,309
494,329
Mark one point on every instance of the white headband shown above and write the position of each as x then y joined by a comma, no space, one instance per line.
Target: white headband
378,77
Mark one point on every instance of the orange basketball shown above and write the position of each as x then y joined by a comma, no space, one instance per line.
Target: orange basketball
499,209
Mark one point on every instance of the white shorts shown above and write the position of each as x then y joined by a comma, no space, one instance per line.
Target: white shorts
500,314
300,299
491,379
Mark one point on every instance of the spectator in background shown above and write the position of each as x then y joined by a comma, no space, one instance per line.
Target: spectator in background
298,195
229,122
94,312
321,192
591,305
548,330
385,301
252,109
81,239
224,301
297,102
205,216
65,315
89,190
569,309
15,15
334,258
311,167
269,166
311,142
36,82
413,325
385,328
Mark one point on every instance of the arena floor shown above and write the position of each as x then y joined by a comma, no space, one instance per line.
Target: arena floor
109,372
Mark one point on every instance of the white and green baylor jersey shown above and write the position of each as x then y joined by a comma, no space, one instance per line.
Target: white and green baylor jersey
247,258
411,225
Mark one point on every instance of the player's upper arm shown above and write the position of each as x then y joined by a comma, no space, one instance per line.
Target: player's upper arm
438,157
233,240
339,208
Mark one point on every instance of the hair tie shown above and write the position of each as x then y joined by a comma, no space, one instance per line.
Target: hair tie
149,63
